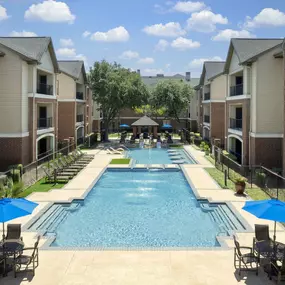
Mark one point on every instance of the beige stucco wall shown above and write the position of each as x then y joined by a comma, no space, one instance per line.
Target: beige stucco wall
96,113
270,97
10,93
67,87
46,62
234,65
219,87
25,102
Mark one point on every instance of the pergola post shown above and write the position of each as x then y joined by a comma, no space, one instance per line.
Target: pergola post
134,130
155,131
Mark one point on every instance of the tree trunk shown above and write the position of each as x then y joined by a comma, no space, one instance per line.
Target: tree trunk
106,129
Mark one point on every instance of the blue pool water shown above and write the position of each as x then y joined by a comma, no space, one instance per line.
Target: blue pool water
158,156
135,209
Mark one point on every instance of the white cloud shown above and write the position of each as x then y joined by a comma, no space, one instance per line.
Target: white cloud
22,34
118,34
70,53
161,45
129,54
66,52
205,21
266,18
3,13
198,62
66,42
50,11
171,29
226,35
151,71
188,6
184,44
146,60
86,34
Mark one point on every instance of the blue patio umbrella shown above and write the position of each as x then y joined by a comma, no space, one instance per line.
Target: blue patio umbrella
15,208
166,126
273,210
124,126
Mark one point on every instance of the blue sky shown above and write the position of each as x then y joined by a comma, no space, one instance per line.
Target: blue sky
155,36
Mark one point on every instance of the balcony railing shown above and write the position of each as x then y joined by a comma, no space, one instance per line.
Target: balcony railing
206,119
79,118
79,96
45,89
237,155
44,123
207,96
236,124
236,90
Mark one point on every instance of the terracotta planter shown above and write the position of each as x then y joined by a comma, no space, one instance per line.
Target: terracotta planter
240,188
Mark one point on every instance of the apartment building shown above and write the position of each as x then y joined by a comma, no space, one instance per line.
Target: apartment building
28,99
255,101
213,84
75,104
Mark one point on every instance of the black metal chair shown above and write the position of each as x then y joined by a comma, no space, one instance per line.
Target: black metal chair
244,261
27,260
13,232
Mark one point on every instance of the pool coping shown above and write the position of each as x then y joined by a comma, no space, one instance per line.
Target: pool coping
221,239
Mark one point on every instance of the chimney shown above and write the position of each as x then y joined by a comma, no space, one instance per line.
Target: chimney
188,76
139,72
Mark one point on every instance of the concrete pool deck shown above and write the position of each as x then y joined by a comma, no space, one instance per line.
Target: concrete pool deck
161,267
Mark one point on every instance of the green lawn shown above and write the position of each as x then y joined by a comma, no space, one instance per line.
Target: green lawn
120,161
40,186
255,193
114,136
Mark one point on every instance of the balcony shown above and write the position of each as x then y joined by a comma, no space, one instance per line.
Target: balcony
45,89
79,96
207,96
206,119
236,90
236,124
44,123
79,118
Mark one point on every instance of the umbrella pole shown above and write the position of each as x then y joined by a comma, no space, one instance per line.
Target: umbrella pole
3,228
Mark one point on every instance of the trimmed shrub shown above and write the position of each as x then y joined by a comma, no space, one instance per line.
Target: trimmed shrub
16,175
260,178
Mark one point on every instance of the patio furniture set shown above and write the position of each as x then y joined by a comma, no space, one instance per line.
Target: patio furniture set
264,250
13,254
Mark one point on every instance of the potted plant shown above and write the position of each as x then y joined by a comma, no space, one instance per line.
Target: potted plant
207,149
240,183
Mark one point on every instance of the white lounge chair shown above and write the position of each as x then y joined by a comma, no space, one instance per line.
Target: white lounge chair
116,151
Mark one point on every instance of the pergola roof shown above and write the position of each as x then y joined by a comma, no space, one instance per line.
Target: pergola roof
144,121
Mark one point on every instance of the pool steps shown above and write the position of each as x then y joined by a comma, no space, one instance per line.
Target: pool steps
223,216
54,215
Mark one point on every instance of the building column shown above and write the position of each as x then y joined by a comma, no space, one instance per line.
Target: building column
134,131
155,131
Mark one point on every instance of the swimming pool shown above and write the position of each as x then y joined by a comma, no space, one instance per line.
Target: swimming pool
138,209
159,156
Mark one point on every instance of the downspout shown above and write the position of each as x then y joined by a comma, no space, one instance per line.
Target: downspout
283,49
226,117
250,115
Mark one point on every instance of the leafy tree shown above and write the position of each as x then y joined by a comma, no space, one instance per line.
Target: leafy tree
115,88
173,96
150,110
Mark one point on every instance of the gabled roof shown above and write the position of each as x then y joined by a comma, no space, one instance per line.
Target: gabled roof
145,121
73,68
247,50
211,69
30,49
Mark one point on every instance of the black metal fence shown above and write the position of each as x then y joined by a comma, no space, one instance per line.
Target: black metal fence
46,89
271,182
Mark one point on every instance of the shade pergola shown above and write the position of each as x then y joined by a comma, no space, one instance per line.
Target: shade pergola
145,121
